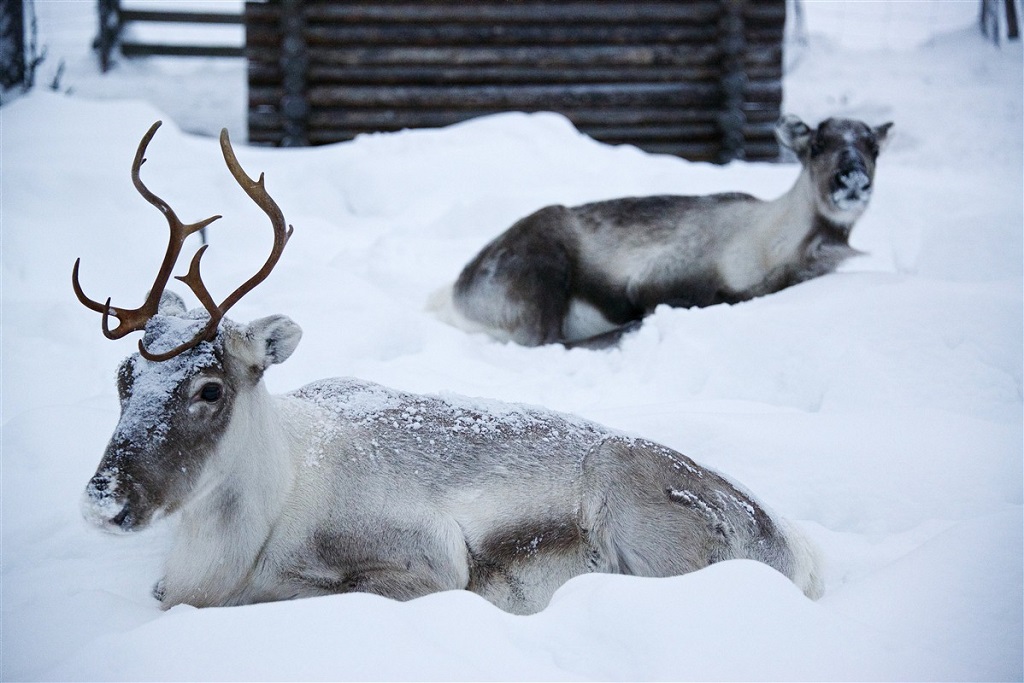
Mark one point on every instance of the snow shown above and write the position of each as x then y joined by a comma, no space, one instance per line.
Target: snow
879,408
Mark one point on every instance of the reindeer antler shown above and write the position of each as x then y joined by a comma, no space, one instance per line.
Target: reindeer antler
133,320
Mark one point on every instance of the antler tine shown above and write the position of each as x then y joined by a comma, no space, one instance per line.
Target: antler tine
86,301
132,320
106,309
258,193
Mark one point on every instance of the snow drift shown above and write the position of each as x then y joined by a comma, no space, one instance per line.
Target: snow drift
880,407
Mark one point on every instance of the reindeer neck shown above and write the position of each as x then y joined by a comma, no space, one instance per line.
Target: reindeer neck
796,216
799,203
237,502
782,224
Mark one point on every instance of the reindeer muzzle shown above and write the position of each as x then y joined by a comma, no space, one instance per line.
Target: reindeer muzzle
850,186
106,505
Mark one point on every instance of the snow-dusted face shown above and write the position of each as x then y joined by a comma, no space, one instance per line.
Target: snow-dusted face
173,413
840,155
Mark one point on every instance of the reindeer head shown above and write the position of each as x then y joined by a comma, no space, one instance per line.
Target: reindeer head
179,392
840,156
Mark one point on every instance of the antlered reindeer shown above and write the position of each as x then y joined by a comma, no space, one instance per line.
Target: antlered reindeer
585,275
345,485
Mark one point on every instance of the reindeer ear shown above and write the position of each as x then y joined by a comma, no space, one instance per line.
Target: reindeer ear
272,339
793,133
882,134
171,304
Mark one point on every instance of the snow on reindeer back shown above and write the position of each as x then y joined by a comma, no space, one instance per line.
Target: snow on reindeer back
145,412
436,420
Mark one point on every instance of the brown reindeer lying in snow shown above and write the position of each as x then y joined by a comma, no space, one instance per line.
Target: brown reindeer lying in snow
584,275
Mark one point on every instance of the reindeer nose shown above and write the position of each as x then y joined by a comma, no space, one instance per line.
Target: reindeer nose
102,489
107,507
100,484
853,180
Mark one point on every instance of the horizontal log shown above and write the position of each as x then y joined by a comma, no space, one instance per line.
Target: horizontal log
518,97
621,56
520,56
268,116
327,136
765,11
181,17
263,73
691,151
514,97
679,132
764,35
768,150
610,135
761,151
488,34
131,49
753,15
422,117
577,12
688,132
419,118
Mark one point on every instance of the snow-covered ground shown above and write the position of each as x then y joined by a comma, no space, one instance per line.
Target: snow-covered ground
879,407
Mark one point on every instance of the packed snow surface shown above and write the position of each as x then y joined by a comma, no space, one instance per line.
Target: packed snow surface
879,408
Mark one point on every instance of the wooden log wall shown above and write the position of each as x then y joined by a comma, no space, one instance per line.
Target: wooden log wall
700,79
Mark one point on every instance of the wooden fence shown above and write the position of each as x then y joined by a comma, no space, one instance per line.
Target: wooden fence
700,79
114,19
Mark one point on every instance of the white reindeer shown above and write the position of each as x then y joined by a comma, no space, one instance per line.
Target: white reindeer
345,485
584,275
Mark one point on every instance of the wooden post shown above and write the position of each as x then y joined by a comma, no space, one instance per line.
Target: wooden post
294,65
12,39
109,30
732,44
1012,20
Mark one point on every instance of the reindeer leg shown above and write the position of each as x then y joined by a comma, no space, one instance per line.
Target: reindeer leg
657,513
605,340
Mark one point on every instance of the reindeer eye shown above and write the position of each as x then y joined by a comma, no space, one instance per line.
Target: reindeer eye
210,392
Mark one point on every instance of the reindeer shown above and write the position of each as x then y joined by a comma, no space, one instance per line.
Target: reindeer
345,485
585,275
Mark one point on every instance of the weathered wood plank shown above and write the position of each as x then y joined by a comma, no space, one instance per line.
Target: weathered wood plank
262,73
692,131
518,97
269,116
591,55
535,12
485,34
133,49
170,16
501,97
624,132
